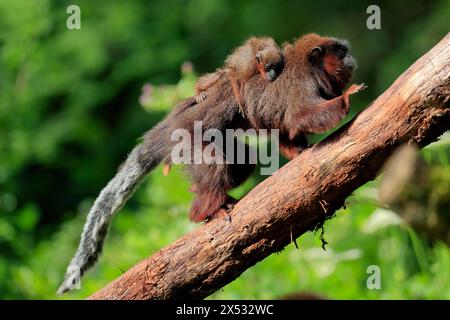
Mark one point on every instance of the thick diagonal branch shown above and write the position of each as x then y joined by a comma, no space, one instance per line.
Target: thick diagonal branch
416,108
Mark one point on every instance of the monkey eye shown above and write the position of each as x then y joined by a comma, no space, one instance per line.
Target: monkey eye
341,50
268,66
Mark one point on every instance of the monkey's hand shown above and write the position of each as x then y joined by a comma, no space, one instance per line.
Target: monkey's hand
323,115
200,97
355,88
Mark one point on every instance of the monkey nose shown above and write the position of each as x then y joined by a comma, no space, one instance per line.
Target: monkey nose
271,75
350,62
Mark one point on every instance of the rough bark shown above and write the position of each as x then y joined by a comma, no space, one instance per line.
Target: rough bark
299,196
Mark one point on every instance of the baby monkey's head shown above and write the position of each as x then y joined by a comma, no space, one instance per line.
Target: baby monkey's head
270,60
257,55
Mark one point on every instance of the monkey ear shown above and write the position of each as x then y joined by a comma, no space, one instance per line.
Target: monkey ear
258,57
316,54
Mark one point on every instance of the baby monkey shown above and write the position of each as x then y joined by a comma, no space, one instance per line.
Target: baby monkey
256,55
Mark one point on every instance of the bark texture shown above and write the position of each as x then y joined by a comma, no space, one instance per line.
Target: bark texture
299,196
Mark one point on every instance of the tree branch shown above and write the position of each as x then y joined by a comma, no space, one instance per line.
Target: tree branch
299,196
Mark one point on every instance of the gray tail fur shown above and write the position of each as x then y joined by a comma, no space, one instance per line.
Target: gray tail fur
110,200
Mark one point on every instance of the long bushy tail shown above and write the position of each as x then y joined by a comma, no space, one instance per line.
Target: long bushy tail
110,200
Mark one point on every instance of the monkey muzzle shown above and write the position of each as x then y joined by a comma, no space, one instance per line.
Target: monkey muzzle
271,75
273,70
349,65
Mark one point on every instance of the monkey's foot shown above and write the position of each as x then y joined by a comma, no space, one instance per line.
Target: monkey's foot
290,152
222,213
224,210
229,206
166,169
230,202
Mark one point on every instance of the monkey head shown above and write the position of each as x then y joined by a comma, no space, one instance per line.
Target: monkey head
269,59
329,62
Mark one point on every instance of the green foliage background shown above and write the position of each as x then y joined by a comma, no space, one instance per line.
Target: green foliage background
69,113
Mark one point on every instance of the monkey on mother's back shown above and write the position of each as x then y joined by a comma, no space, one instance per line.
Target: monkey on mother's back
307,97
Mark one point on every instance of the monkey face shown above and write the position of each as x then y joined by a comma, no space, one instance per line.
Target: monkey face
273,69
333,58
338,62
270,63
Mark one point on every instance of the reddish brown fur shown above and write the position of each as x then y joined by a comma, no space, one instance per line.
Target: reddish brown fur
315,106
246,61
331,64
306,98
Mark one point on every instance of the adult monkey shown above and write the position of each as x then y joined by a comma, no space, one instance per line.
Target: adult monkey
306,98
